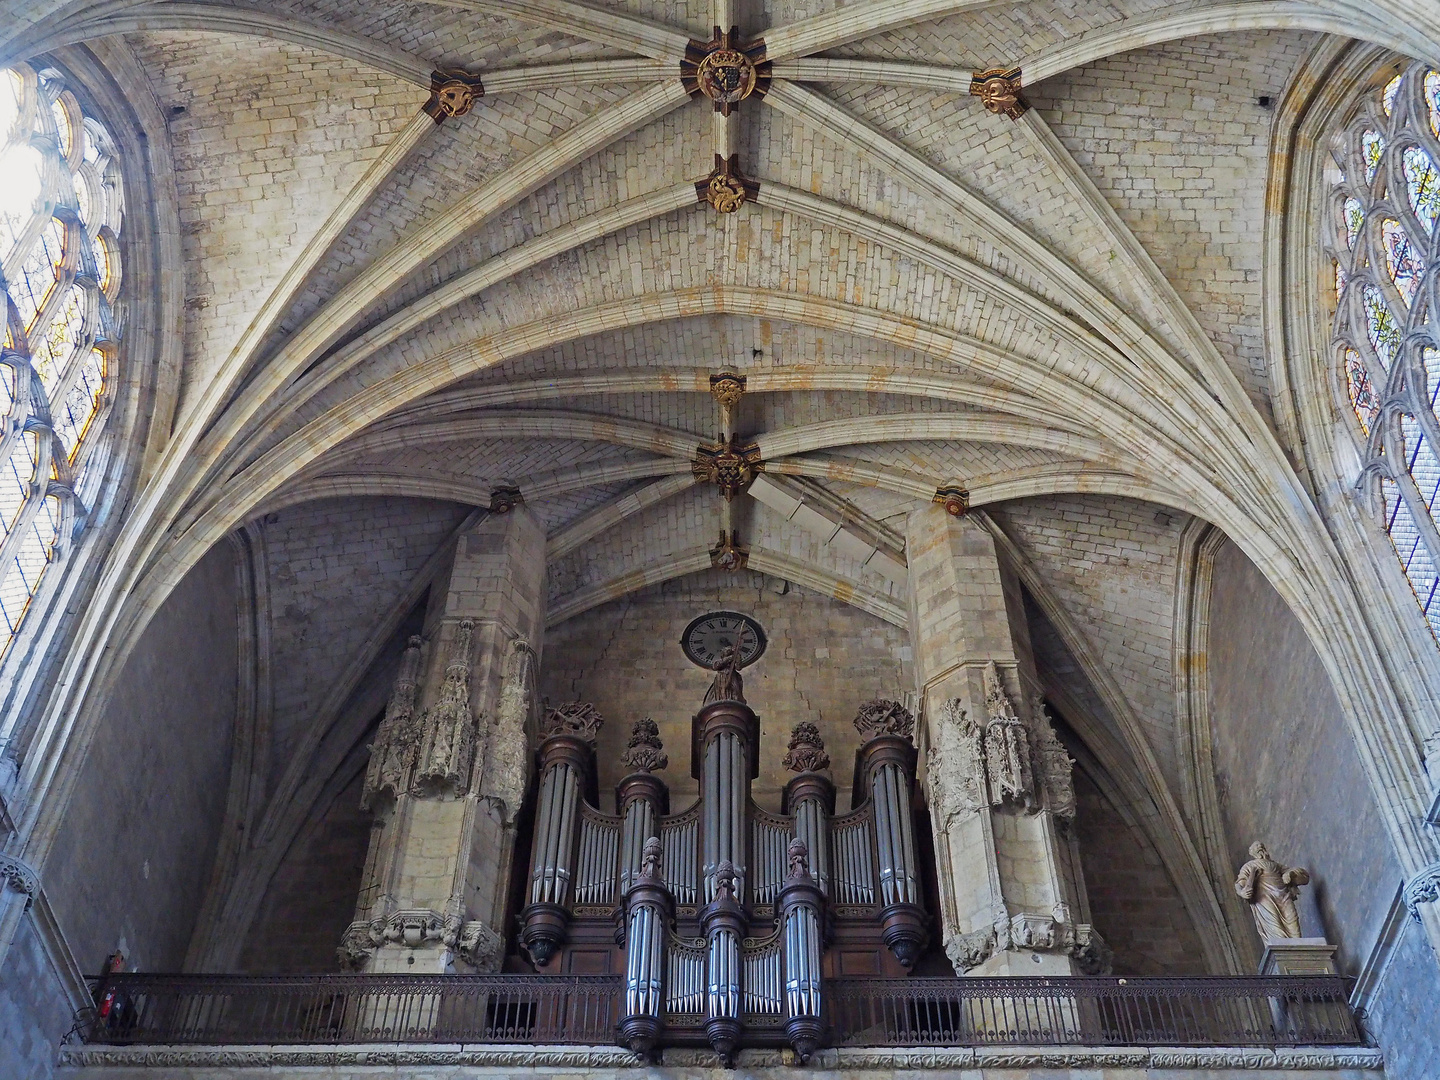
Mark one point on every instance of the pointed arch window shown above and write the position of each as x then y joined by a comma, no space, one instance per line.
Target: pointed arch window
61,209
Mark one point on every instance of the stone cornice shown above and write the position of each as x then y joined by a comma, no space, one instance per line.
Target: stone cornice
614,1057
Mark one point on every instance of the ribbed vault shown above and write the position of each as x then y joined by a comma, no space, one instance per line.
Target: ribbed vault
921,294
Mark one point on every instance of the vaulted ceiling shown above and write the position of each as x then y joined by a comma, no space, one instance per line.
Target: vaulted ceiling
385,310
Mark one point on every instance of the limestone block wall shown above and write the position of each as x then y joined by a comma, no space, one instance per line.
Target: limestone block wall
1288,773
134,850
1133,902
311,897
824,658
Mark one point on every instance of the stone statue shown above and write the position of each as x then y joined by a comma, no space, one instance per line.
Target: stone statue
728,686
1270,889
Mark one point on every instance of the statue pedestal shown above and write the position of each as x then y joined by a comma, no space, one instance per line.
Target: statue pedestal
1298,956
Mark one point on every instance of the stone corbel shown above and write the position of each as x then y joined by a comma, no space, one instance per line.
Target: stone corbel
21,877
479,946
1423,888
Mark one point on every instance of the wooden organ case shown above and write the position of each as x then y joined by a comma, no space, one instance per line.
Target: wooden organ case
724,917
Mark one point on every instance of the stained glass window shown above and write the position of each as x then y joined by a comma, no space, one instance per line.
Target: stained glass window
1386,247
60,219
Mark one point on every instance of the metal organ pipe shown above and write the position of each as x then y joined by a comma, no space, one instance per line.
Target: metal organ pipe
649,909
801,911
565,760
889,762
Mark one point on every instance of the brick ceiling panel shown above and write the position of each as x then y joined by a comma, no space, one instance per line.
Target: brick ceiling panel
1175,139
1008,31
446,35
267,139
336,566
1112,563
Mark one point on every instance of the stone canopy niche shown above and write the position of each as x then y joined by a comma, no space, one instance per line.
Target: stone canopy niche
746,895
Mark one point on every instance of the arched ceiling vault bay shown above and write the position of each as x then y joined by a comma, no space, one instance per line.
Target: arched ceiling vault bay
920,293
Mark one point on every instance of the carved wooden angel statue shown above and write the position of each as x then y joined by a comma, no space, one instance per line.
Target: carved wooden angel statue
1270,889
728,686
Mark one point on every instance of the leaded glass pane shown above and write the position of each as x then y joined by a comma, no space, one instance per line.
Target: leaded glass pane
1354,218
1372,148
1402,362
1387,97
1422,185
38,272
58,303
80,405
1383,328
1401,259
1362,391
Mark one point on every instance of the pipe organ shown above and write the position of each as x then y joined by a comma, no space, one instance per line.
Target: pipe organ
725,917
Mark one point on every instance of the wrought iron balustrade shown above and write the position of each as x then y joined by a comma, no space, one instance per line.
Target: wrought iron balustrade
1292,1010
293,1009
1263,1011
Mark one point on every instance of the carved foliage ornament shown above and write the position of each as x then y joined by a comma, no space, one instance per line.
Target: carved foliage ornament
727,387
726,188
645,752
1423,888
505,499
452,93
20,876
807,749
881,717
725,71
728,553
573,718
999,91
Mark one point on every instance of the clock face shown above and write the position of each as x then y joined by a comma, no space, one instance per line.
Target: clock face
706,638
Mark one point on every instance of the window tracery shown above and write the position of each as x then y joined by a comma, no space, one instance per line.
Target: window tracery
60,270
1386,249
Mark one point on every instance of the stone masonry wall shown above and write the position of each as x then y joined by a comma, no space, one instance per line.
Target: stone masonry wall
311,898
1133,902
824,658
133,854
1278,731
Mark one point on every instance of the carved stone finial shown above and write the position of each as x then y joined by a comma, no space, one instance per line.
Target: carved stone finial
650,857
807,749
954,498
392,754
999,91
1270,888
880,717
726,188
1007,745
644,752
1055,765
798,857
505,499
725,71
448,726
573,718
507,751
452,93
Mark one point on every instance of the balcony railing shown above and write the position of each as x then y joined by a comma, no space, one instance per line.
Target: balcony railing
1307,1010
1304,1010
